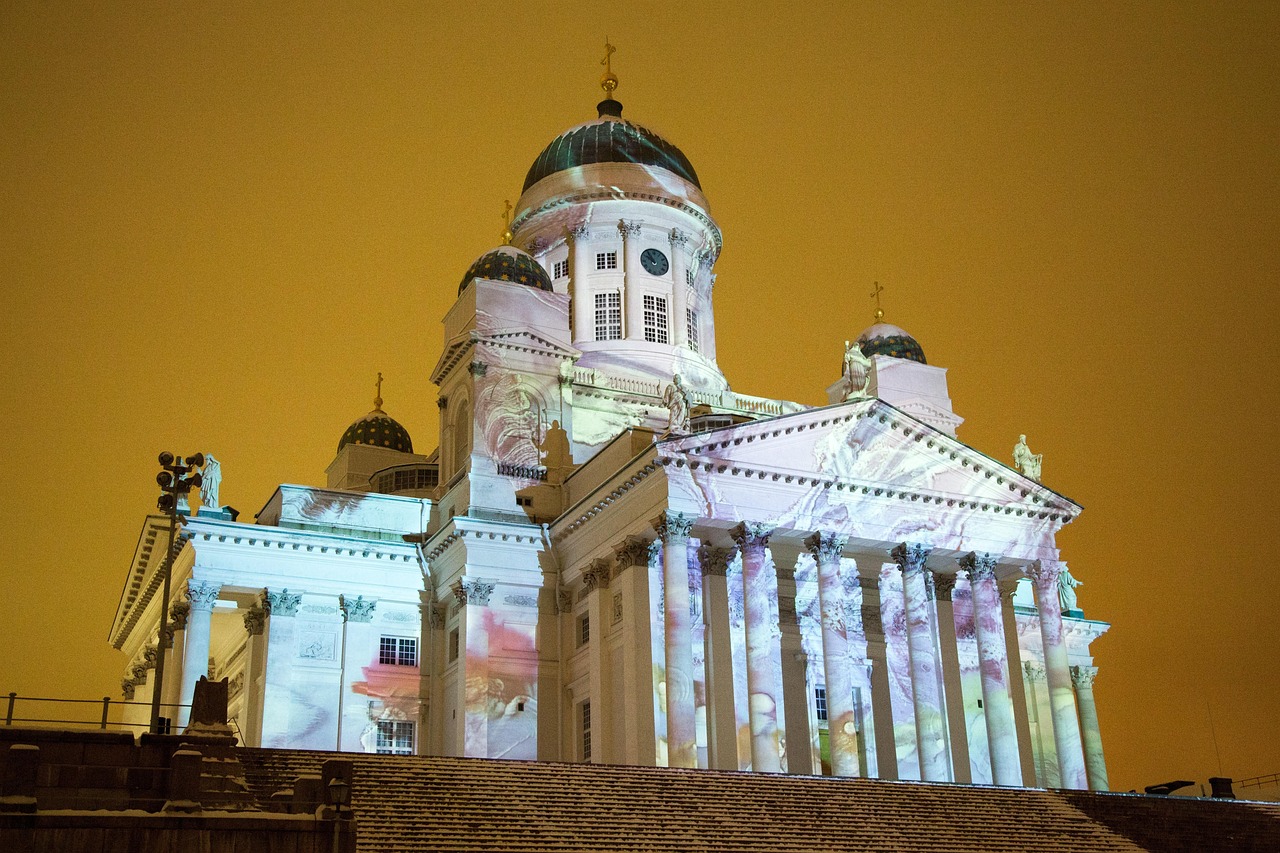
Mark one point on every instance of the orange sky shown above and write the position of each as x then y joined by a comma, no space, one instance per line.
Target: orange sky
219,223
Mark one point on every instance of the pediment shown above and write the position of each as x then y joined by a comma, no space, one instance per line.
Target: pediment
528,341
865,448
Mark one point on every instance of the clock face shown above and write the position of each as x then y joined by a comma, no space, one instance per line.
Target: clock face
654,262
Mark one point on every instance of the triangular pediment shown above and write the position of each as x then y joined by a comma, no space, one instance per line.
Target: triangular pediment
531,342
868,447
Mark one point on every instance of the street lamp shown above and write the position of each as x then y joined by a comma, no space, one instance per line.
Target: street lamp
175,480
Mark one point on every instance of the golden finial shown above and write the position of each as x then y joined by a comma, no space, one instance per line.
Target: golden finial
608,80
377,401
507,236
876,295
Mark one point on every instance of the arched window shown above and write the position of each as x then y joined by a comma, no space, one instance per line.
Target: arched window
461,438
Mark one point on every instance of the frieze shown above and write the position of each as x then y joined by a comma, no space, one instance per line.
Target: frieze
399,616
321,609
521,601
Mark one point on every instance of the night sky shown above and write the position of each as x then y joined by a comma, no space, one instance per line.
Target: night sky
220,221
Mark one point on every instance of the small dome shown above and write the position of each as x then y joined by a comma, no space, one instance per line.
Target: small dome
609,139
377,429
507,263
888,339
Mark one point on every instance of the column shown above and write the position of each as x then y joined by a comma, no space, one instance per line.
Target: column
930,737
722,725
1095,764
842,720
638,699
255,673
679,289
171,690
633,304
473,667
1066,727
1014,677
1040,719
764,691
282,649
359,648
682,733
583,302
997,704
201,595
885,744
952,690
596,579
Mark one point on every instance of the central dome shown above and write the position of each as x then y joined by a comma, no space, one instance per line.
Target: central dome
609,139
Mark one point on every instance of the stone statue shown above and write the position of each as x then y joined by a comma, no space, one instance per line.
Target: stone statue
210,480
857,370
1028,463
676,399
1067,590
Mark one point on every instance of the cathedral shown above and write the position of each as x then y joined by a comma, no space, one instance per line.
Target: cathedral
612,556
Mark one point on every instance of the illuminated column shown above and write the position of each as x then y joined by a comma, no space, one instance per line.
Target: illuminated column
997,705
282,649
682,732
201,595
596,578
583,306
633,316
679,289
473,667
1041,720
1014,676
435,658
930,738
255,673
841,715
638,698
171,690
763,687
883,737
358,651
722,724
1066,727
1095,763
952,690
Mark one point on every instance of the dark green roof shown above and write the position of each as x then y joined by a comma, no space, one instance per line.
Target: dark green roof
610,139
507,263
379,430
888,339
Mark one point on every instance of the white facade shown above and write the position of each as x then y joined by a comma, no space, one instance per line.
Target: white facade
574,575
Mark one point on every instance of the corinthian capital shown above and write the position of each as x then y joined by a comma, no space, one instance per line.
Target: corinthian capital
357,609
826,547
629,229
1034,670
579,232
943,586
678,237
979,565
750,534
1044,573
1082,676
673,526
597,575
472,592
910,556
634,551
178,614
255,620
282,603
715,561
202,594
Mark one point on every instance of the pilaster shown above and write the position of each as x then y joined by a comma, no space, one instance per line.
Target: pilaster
280,606
633,315
359,648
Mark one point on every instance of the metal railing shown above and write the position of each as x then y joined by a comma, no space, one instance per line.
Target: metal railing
1271,780
94,719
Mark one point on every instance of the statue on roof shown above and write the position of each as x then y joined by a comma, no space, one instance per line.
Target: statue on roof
676,399
857,370
1067,590
210,481
1028,463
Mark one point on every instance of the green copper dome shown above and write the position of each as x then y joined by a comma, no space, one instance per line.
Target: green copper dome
507,263
609,139
888,339
378,429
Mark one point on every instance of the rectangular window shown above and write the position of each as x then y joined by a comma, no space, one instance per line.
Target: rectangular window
398,651
586,731
395,738
609,316
561,269
453,644
606,260
820,702
655,319
688,277
584,630
691,318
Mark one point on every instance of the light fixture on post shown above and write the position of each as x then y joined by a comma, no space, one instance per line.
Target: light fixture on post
175,480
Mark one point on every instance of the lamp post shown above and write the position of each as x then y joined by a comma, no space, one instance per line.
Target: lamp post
175,479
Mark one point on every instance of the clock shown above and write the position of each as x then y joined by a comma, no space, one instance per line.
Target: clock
654,262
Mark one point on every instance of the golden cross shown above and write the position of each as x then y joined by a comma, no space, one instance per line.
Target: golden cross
506,219
608,52
876,295
377,402
608,80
